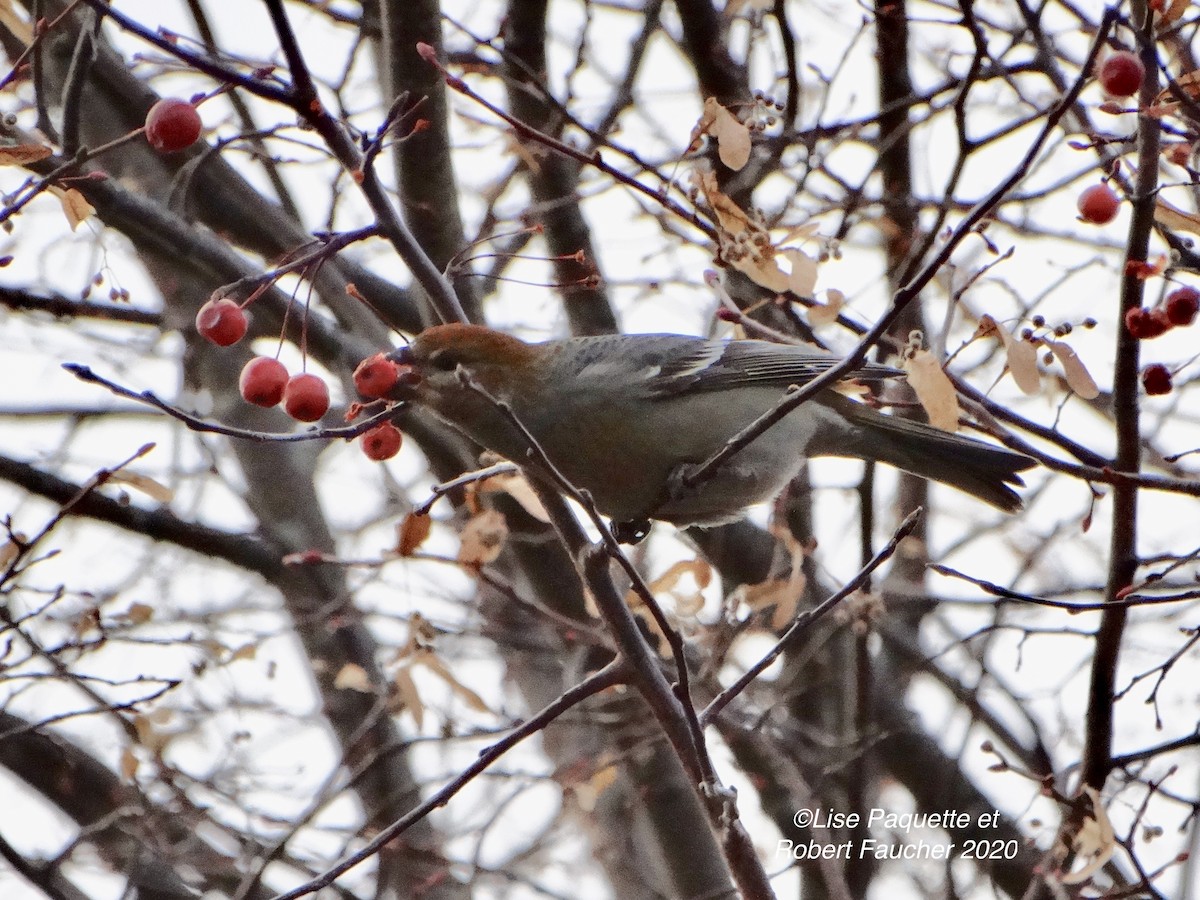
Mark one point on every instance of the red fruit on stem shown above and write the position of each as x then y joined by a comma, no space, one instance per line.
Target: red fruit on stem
382,442
1182,304
1098,204
1121,74
1156,379
172,125
262,381
306,397
376,376
222,322
1146,323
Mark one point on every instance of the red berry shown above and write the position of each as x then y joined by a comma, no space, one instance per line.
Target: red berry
1156,379
1121,74
262,381
382,442
376,376
172,124
1182,304
306,397
221,321
1145,323
1098,204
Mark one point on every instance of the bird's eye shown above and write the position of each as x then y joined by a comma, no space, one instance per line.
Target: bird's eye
443,360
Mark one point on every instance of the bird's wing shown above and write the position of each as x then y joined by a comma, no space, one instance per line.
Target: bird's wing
703,365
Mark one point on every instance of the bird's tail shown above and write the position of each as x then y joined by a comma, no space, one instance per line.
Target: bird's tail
974,467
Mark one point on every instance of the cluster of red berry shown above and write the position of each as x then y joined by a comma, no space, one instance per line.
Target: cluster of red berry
374,379
1120,75
265,381
1178,309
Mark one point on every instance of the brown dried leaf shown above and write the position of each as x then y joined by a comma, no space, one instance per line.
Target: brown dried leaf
730,216
733,137
411,533
245,652
1094,843
827,313
139,613
783,593
434,663
687,603
1079,379
803,277
149,735
518,487
933,389
10,549
11,19
1166,102
74,204
483,538
734,7
1020,355
763,271
129,764
155,490
409,696
1169,216
22,154
588,793
353,677
1163,19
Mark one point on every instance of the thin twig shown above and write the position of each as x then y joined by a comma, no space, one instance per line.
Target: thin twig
699,474
195,423
808,617
602,680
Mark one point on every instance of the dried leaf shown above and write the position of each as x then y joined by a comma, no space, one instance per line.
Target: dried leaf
153,489
732,136
129,764
588,793
1094,843
687,602
731,217
139,613
746,245
1020,355
9,550
782,593
933,389
1079,379
410,698
353,677
482,538
74,204
1189,83
149,735
518,487
734,7
434,663
11,19
1163,19
827,313
803,277
1169,216
411,533
22,154
763,272
245,652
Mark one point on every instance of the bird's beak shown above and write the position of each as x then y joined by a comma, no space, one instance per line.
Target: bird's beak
407,378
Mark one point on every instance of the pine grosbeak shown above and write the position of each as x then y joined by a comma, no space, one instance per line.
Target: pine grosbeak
621,416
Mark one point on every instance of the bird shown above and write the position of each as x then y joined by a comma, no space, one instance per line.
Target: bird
624,416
